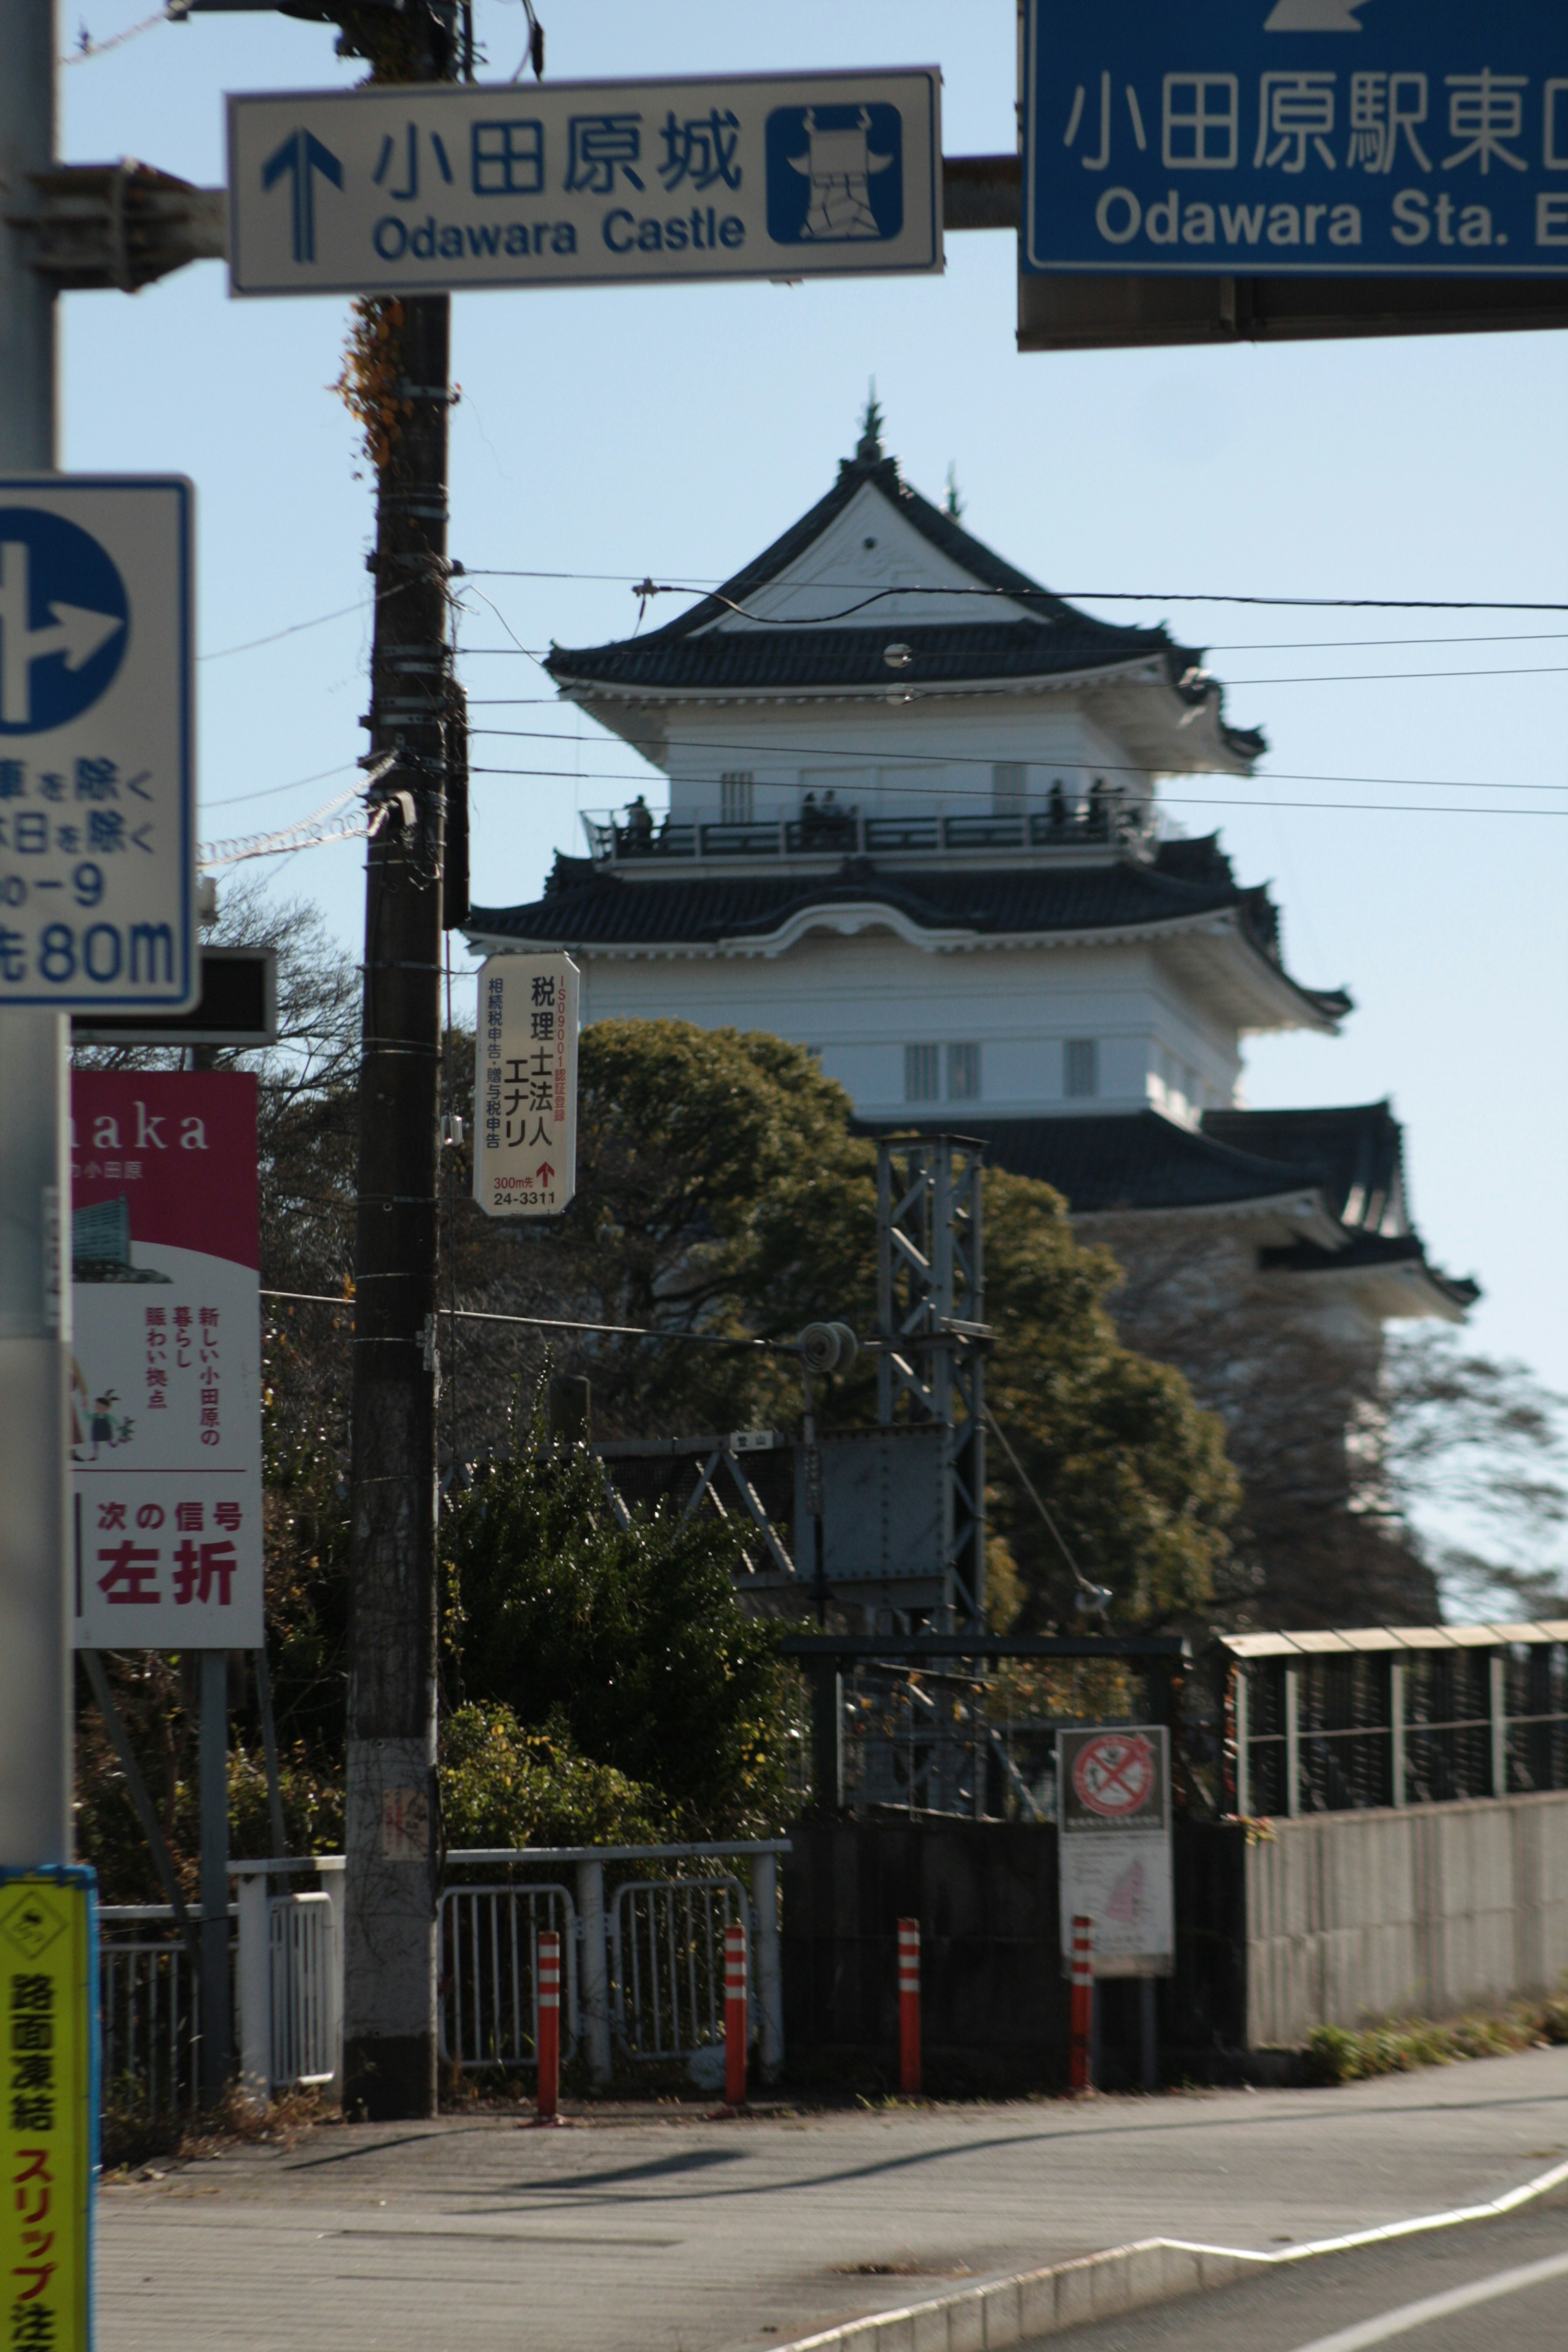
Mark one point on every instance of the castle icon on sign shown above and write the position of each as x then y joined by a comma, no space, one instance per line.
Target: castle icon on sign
836,174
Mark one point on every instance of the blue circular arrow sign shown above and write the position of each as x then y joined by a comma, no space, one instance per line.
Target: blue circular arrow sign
65,621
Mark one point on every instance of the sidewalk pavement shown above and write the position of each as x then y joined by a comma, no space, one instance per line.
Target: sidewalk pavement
659,2230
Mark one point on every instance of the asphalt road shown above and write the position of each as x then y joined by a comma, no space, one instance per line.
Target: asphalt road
1500,2285
662,2231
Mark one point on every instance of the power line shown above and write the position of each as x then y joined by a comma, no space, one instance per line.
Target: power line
362,604
915,761
270,792
1387,676
558,1323
1061,596
1371,808
1336,677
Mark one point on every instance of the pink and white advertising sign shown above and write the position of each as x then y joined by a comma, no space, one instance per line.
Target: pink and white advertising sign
166,1360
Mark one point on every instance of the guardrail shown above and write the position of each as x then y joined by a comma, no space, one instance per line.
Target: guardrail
666,1966
488,1943
150,1999
290,1978
644,1976
1097,819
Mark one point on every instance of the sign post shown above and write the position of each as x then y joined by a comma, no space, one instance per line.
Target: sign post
97,750
166,1360
49,2118
420,188
1113,1795
525,1086
165,1402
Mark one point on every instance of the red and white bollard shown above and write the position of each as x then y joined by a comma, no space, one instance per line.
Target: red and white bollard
547,1978
909,2007
735,2016
1080,2061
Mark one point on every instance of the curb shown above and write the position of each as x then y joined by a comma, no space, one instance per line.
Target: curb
1032,2304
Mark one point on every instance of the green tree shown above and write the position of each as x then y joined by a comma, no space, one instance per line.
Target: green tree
626,1645
1131,1467
722,1193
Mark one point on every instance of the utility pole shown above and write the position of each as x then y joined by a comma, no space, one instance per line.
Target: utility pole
35,1099
394,1840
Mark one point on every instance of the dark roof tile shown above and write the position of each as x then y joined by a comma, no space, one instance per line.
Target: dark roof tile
693,653
1130,1160
583,908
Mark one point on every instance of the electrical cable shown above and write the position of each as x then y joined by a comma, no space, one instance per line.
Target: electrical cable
559,1323
1029,593
89,49
271,792
915,761
1085,1584
1360,808
362,604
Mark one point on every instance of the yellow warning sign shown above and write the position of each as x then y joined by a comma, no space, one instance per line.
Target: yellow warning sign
47,2128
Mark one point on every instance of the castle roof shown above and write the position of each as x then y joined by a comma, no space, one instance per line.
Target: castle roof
955,615
1187,893
1322,1189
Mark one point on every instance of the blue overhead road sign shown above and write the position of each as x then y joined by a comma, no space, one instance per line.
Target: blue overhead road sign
1295,137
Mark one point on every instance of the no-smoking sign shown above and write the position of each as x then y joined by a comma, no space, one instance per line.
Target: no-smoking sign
1114,1778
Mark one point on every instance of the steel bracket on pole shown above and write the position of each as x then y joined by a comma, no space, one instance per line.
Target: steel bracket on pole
124,225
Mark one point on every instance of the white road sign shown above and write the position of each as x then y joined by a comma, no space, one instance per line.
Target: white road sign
525,1086
584,184
1114,1818
97,750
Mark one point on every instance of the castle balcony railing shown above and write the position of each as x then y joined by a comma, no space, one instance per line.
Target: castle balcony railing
829,836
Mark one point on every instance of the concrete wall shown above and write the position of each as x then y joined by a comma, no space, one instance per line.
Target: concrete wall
1353,1916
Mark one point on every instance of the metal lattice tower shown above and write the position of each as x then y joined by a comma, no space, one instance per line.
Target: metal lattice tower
931,1315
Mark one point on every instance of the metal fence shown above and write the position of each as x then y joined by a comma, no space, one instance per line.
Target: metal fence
975,1737
151,2006
643,1977
1428,1714
666,1963
489,2012
306,2006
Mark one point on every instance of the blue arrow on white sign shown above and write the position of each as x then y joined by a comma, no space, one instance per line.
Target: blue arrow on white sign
301,157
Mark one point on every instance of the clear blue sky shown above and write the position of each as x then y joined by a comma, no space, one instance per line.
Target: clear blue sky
678,430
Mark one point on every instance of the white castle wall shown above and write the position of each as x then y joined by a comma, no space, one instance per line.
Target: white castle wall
860,1001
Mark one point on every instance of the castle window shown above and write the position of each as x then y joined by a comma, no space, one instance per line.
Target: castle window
963,1074
922,1072
1008,788
1080,1068
737,797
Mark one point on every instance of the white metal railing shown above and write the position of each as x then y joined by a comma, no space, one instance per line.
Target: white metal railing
644,1975
488,2014
1091,820
305,2000
290,1978
150,2001
666,1966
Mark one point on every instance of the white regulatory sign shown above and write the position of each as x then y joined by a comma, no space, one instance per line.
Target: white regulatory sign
97,750
525,1086
585,184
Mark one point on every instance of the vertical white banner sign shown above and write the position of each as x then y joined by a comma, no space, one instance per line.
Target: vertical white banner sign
525,1086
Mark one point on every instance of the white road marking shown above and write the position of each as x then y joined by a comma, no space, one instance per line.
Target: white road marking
1410,2316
